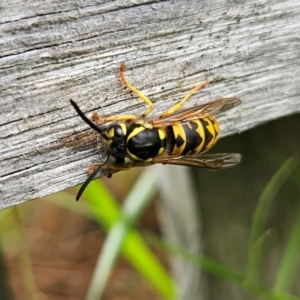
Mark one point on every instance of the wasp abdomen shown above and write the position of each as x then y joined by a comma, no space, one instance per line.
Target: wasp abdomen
145,143
194,136
211,130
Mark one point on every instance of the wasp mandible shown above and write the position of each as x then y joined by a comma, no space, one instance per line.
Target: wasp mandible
177,137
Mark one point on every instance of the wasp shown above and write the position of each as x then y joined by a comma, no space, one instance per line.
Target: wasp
177,137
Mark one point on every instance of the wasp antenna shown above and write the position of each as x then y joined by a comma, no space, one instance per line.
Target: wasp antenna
84,118
88,180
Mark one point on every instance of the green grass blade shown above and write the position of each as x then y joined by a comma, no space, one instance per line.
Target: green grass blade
261,215
25,265
219,270
123,237
106,260
290,262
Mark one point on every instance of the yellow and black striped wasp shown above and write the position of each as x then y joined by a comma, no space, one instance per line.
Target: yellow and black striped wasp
177,137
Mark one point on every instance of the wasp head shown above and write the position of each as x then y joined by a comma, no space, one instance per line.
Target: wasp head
115,137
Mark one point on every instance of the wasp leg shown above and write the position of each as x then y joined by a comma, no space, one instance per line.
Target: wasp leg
184,99
93,167
125,167
112,167
97,119
135,90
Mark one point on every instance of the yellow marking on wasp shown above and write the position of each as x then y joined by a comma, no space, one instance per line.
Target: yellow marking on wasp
162,134
200,130
127,160
145,124
111,133
161,150
210,127
123,127
179,133
133,156
135,131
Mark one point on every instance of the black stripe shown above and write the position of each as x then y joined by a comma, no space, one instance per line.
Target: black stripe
208,135
193,139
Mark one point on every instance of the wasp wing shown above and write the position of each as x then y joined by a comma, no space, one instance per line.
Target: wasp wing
209,109
207,161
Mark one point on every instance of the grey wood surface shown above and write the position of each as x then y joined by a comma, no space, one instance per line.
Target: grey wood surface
55,51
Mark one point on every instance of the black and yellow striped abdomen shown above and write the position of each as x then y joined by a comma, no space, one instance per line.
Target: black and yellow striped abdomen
193,137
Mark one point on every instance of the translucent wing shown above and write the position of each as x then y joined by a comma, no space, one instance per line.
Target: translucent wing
209,109
207,161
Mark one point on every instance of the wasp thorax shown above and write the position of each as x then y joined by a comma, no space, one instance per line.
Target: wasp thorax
145,142
116,143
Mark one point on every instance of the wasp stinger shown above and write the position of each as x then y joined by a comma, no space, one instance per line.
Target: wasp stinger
178,137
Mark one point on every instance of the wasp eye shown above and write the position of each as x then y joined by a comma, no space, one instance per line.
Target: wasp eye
118,132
